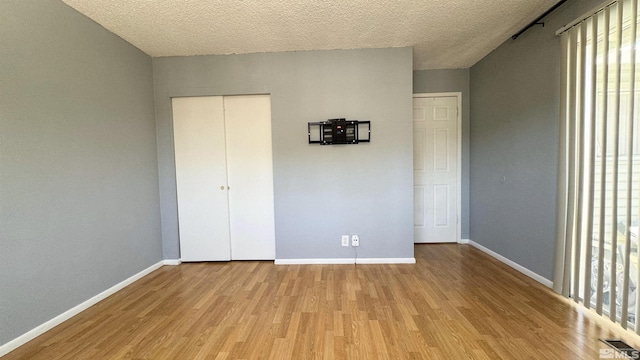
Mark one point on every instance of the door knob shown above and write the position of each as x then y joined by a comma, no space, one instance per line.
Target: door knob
222,187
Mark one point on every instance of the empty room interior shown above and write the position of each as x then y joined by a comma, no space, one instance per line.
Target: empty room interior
339,180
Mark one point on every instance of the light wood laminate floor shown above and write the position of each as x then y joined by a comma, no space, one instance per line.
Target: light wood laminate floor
455,303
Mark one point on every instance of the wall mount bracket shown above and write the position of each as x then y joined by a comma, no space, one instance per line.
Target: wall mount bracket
339,131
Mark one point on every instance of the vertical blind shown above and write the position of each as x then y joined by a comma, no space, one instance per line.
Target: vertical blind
599,187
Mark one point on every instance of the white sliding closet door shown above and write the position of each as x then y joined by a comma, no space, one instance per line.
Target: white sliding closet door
201,178
250,169
224,176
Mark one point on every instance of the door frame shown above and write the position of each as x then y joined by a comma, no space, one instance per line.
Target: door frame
458,96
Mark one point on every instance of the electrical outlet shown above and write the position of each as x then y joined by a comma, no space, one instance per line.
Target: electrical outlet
345,240
355,240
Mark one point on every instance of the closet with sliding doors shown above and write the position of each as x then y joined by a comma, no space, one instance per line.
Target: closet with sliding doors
224,177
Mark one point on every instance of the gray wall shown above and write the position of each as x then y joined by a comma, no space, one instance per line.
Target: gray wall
515,102
455,80
321,192
79,203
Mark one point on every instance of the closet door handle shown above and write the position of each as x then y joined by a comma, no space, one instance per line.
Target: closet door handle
222,187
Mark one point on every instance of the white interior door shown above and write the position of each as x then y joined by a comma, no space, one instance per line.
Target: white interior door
250,173
201,178
435,169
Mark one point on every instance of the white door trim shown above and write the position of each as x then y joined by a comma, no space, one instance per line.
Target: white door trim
458,95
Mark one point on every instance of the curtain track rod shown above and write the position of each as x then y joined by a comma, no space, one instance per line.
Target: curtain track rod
537,20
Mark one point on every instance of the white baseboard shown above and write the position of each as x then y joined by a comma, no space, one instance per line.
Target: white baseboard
386,261
539,278
171,262
343,261
463,241
41,329
340,261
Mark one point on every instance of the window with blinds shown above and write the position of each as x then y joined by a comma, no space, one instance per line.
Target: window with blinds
599,191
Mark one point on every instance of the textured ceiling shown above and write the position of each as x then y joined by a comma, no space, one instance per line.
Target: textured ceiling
445,34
